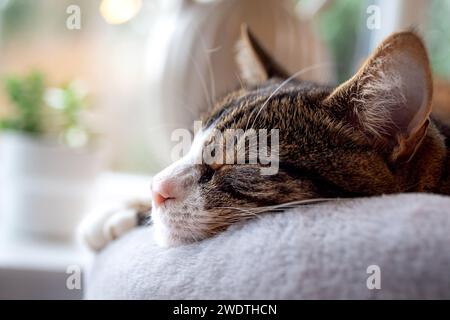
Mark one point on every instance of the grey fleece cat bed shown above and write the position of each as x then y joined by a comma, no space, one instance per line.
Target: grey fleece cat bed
315,252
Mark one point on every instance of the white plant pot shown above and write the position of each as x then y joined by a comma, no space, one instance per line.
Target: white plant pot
45,187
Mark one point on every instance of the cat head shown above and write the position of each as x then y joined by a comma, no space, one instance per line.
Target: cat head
354,140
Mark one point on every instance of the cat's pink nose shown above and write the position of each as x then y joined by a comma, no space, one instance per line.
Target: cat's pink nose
162,191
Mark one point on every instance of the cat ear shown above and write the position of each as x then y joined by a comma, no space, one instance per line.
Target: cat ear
255,64
389,98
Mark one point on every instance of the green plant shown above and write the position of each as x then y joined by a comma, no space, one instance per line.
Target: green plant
437,36
26,94
38,110
339,26
68,104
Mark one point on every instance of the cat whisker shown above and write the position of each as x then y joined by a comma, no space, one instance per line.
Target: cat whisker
284,83
210,69
279,207
293,204
240,80
305,202
202,82
245,210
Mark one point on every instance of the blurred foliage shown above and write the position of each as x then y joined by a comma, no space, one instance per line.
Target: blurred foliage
339,26
27,19
438,37
27,96
18,16
68,104
38,110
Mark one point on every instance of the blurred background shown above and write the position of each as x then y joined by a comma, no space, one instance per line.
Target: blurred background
91,90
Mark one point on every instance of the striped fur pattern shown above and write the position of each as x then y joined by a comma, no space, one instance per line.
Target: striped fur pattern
371,135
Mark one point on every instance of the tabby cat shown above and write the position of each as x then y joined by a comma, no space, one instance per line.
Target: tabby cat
371,135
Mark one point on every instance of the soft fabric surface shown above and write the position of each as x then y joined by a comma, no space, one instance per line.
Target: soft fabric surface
314,252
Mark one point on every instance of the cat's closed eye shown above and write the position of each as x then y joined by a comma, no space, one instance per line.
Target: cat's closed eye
207,173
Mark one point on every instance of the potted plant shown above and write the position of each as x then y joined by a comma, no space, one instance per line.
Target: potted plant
48,158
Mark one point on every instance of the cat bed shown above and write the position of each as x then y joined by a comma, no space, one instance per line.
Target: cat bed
325,251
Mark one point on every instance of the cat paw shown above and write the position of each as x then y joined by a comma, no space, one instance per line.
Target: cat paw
97,231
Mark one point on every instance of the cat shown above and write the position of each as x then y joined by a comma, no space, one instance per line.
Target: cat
372,135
